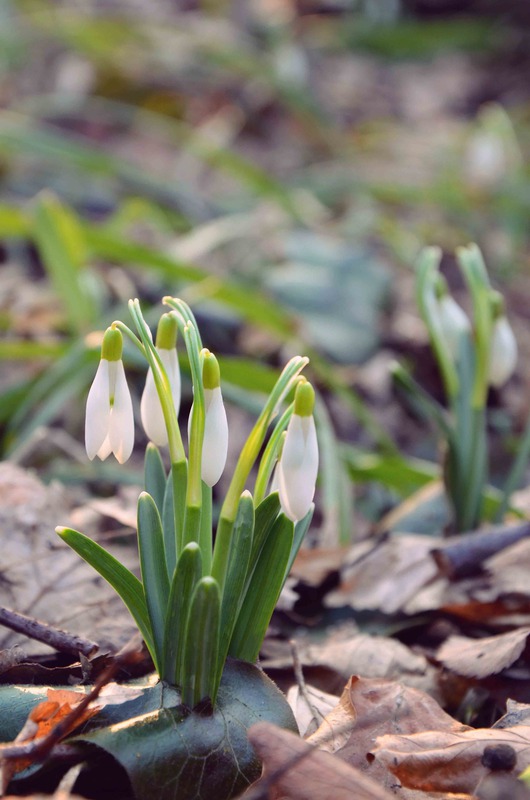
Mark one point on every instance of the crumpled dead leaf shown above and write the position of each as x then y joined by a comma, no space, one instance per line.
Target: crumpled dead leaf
479,658
348,652
448,761
371,707
306,773
42,719
44,578
311,707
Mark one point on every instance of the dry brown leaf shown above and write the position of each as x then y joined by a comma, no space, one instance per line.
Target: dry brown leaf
335,730
388,575
310,707
380,707
46,579
313,566
317,776
42,719
448,761
351,653
479,658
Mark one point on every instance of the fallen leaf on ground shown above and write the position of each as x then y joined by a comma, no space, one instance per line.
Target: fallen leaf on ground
46,579
351,653
306,773
310,707
386,576
478,658
376,707
448,761
41,721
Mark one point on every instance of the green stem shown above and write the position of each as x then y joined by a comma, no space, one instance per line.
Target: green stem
205,534
516,473
270,456
176,448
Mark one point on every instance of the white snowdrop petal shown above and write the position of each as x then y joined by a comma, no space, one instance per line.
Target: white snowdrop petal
298,467
105,449
97,416
121,429
170,361
215,445
151,412
454,322
503,354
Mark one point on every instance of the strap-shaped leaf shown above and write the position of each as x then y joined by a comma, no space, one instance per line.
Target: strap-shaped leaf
236,577
154,571
187,573
120,578
155,475
263,591
201,645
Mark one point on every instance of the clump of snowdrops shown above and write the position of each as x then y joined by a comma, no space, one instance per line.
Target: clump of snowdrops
472,355
201,597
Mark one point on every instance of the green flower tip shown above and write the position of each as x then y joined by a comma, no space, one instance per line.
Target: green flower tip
112,346
166,334
211,376
440,286
498,305
304,399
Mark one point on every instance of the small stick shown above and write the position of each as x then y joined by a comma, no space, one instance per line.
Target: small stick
463,555
302,686
42,632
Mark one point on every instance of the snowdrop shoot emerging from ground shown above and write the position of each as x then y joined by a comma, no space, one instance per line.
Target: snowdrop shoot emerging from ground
219,590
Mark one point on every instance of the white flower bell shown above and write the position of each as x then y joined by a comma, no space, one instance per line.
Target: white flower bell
503,352
215,442
454,323
109,421
298,466
150,406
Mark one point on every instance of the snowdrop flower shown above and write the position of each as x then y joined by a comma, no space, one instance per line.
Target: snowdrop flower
150,406
503,352
109,422
454,323
215,442
298,466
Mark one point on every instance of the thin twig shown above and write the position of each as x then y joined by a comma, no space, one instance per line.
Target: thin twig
302,686
42,632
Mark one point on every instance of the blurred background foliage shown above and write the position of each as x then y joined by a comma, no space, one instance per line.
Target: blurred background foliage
279,165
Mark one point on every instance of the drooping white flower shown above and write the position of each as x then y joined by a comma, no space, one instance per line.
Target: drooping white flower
150,405
298,466
454,323
109,421
503,352
215,444
215,441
